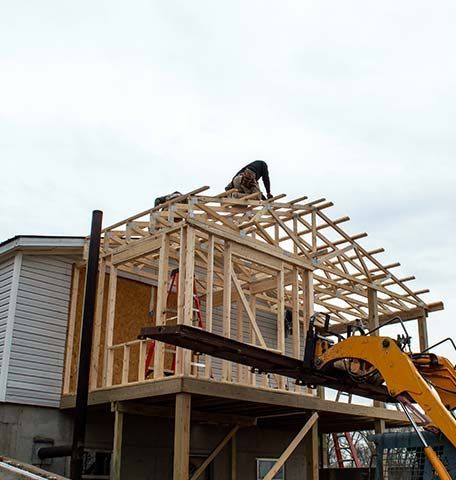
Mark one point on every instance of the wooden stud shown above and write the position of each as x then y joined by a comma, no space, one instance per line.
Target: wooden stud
71,330
227,272
109,353
182,437
162,294
181,297
209,297
281,321
94,371
125,364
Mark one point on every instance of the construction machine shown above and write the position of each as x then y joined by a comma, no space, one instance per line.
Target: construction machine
359,362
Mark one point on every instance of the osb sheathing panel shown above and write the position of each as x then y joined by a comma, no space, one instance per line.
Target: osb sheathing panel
131,314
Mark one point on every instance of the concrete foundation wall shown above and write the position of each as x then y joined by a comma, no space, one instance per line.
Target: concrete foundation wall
148,447
22,425
147,443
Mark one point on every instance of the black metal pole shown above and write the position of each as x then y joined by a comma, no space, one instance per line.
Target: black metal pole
80,414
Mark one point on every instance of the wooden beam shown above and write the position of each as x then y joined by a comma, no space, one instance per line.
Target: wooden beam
214,453
137,249
291,447
406,315
226,233
182,437
135,408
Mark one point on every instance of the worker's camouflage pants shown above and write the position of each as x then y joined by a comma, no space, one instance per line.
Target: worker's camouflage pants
238,185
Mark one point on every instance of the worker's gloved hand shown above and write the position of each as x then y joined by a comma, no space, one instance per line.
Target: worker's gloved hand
270,195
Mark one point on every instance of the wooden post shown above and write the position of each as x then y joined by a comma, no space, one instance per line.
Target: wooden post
162,291
233,458
308,297
423,333
314,460
373,319
71,328
97,326
227,268
296,325
209,298
180,296
109,353
188,293
116,461
292,447
280,321
182,437
253,339
240,337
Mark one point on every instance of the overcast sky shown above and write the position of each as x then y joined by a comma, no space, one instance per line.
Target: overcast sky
108,104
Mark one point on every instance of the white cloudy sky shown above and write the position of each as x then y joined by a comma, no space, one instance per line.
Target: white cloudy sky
108,104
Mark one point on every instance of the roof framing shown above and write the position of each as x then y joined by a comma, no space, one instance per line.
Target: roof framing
299,233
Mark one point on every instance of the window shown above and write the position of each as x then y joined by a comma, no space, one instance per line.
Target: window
265,464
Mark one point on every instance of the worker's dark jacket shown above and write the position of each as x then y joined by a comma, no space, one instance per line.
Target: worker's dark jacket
260,169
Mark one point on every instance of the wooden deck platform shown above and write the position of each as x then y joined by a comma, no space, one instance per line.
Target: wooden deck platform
219,400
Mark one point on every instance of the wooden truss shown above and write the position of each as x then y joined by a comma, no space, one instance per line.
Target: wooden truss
298,234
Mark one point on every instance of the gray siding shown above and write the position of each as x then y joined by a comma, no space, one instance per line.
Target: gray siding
37,354
6,278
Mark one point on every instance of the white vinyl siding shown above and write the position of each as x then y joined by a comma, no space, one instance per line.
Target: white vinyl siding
37,353
6,279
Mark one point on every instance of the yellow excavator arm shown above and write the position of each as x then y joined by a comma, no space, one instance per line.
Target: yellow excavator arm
399,372
404,374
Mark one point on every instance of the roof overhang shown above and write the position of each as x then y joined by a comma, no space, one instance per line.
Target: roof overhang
56,245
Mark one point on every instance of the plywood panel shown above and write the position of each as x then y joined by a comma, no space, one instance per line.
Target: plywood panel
132,313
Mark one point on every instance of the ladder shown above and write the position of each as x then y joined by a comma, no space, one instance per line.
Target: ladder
173,288
344,442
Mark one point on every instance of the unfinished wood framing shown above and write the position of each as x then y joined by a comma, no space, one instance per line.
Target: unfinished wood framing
248,260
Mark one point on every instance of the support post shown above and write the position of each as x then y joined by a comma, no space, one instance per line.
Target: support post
188,293
116,461
182,437
80,415
97,327
163,266
227,267
372,304
71,328
209,297
280,321
423,332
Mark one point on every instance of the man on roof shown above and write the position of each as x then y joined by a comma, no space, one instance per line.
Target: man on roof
246,180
